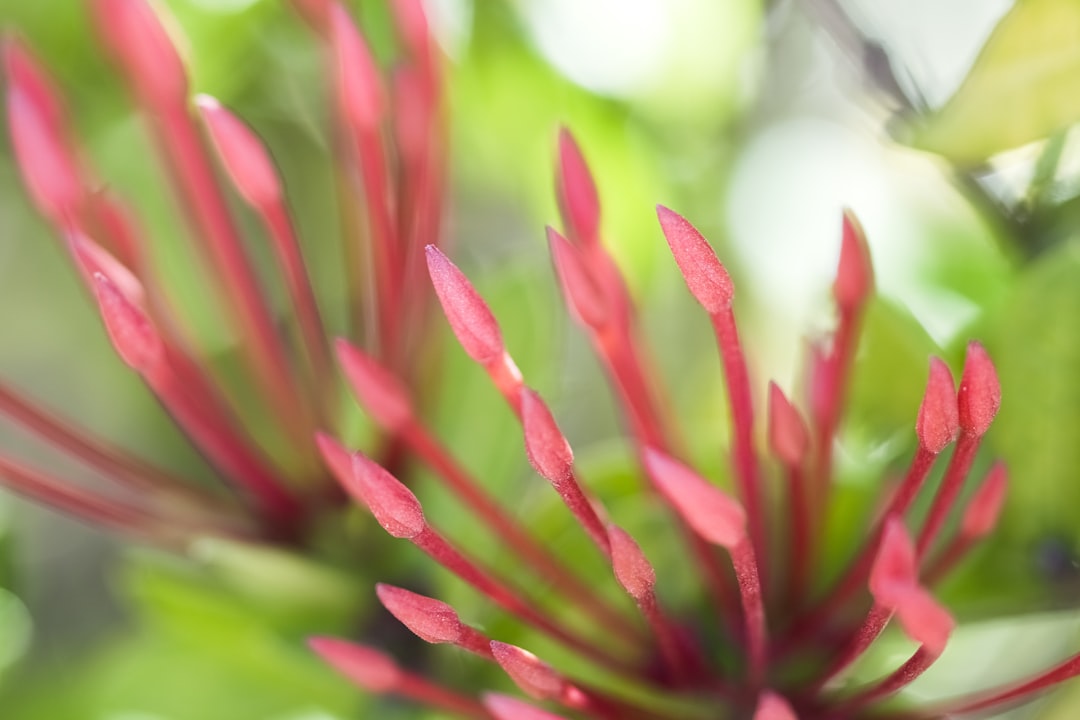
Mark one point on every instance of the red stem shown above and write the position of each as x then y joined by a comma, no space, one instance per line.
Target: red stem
425,692
801,555
903,676
1061,672
875,622
744,457
749,578
951,484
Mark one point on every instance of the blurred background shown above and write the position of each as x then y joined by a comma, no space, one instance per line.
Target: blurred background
944,125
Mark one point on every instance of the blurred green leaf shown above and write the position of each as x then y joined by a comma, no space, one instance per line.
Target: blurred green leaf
1036,348
1024,86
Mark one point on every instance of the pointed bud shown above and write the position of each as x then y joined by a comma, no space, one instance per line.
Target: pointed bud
708,510
368,668
337,459
706,277
504,707
242,154
132,333
380,392
773,707
49,171
583,295
412,26
939,420
632,569
536,678
357,78
26,76
984,508
92,259
138,39
980,393
925,621
392,504
469,316
854,273
548,450
788,436
577,192
895,571
429,619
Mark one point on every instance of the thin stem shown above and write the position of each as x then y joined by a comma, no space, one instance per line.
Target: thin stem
749,578
903,676
800,515
951,484
421,690
1061,672
744,457
875,622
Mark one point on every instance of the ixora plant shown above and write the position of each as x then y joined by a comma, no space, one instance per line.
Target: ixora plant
753,639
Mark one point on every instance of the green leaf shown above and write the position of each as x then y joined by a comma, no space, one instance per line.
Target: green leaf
1037,352
1025,85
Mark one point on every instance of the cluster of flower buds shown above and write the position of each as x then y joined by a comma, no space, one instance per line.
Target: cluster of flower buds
756,554
389,155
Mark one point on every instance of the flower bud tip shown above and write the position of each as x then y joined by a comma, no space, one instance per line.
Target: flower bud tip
242,154
469,316
535,677
577,191
705,275
429,619
980,392
548,450
380,392
368,668
712,514
393,505
939,420
788,436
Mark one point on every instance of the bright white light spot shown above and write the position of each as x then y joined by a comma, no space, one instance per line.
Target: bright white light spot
450,21
224,7
614,47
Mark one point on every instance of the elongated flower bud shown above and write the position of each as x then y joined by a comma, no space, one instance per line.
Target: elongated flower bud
380,392
939,419
548,450
139,41
369,668
577,191
535,677
359,91
979,396
705,276
429,619
854,273
895,571
773,707
242,154
504,707
788,436
924,620
469,316
335,457
984,508
393,505
632,569
712,514
583,295
132,333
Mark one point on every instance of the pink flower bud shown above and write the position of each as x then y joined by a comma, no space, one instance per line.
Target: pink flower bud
242,154
145,51
939,419
583,295
370,669
429,619
504,707
712,514
788,436
336,458
535,677
706,277
132,333
468,314
924,620
577,192
984,508
980,393
895,571
380,392
393,505
358,86
854,273
548,450
49,170
632,569
773,707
